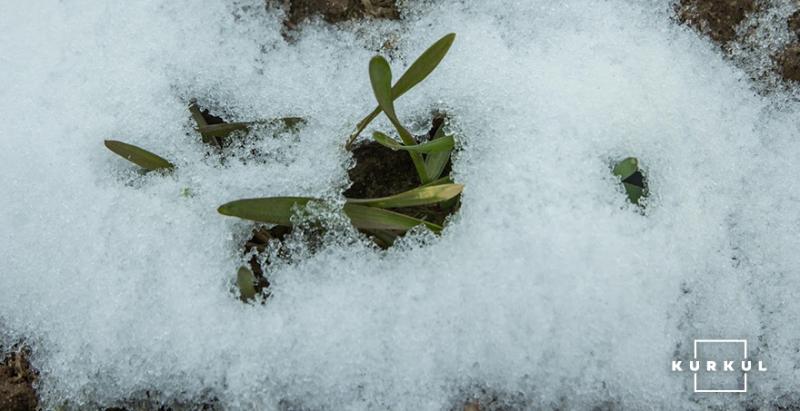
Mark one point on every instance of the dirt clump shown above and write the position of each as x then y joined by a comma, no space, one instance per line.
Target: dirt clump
16,383
335,11
716,18
788,62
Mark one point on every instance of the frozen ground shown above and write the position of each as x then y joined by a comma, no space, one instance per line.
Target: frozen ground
547,289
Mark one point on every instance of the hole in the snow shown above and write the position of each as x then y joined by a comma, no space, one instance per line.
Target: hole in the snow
240,138
380,172
633,179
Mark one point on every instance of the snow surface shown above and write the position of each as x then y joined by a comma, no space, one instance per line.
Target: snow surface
547,289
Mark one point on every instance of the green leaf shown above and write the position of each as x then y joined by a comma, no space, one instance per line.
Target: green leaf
435,163
273,210
418,196
423,65
138,156
246,282
634,192
626,167
225,129
222,129
380,76
439,145
279,210
371,218
439,181
197,115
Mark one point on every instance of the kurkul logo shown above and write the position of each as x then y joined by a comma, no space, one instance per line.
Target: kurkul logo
719,366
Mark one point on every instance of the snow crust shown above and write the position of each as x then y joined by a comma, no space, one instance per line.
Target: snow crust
546,290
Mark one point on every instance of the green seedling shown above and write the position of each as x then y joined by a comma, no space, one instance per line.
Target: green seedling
138,156
418,71
216,133
365,214
223,130
632,179
380,75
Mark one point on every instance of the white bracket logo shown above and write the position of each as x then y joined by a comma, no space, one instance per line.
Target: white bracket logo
744,356
726,366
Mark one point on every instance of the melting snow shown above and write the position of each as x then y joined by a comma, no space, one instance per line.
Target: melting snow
547,289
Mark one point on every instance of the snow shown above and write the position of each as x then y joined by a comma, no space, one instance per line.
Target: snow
547,289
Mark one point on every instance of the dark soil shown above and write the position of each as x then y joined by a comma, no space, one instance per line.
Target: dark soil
716,18
16,383
719,19
258,243
381,172
788,62
794,23
335,11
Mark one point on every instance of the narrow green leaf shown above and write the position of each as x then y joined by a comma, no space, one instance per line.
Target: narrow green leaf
418,196
439,181
225,129
371,218
197,115
386,141
222,129
423,65
279,210
439,145
626,167
273,210
138,156
246,282
435,163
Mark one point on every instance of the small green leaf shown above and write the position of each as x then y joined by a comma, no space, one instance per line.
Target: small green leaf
626,167
423,65
439,145
380,76
222,129
371,218
197,115
634,192
416,197
225,129
138,156
201,122
435,163
273,210
246,282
